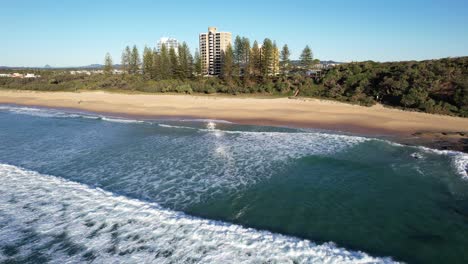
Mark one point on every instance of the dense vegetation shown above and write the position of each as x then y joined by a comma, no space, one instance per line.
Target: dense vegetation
434,86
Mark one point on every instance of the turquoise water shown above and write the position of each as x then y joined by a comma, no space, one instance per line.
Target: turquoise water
82,187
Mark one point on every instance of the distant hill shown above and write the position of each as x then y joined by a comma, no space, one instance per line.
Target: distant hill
47,67
298,62
95,66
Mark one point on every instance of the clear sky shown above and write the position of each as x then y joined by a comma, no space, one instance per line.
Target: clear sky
75,33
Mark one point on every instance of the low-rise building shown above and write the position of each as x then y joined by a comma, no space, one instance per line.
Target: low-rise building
17,75
31,75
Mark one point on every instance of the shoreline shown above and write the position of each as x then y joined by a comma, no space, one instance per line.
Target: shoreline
405,127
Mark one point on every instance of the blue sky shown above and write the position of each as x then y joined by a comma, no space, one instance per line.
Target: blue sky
73,33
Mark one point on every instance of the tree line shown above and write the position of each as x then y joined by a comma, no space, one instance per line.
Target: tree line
242,64
433,86
157,65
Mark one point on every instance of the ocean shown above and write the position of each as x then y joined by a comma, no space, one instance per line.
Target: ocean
81,187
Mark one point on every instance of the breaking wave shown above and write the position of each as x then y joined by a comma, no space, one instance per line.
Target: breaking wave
459,159
45,218
41,112
45,112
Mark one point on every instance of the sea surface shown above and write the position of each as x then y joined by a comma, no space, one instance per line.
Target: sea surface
80,187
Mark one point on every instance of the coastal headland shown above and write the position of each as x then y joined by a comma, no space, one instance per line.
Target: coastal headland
438,131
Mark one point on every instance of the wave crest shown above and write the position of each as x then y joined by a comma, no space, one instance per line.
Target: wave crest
62,221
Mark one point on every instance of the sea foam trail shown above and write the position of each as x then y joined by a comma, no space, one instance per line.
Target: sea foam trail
306,143
40,112
44,112
45,218
459,160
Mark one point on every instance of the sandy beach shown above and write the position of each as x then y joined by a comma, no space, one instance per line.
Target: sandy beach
307,113
281,111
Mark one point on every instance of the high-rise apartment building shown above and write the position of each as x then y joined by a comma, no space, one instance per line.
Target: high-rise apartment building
169,43
212,45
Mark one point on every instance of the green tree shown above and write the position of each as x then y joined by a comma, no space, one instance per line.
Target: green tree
285,61
307,58
148,63
247,68
174,64
256,59
275,65
185,62
238,55
414,98
267,58
156,75
165,63
461,94
108,64
126,57
245,50
197,63
228,64
135,60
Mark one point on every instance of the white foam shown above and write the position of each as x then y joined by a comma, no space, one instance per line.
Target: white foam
41,112
170,126
121,120
49,216
459,159
206,120
184,170
197,167
46,112
211,125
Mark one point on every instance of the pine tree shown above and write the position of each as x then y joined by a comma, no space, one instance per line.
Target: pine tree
197,63
256,59
228,64
174,70
267,57
238,55
189,59
126,56
182,63
246,50
165,63
135,60
246,60
276,59
108,64
285,61
156,66
185,61
148,62
307,59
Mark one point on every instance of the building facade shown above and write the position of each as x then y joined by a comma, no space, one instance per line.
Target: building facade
169,43
212,46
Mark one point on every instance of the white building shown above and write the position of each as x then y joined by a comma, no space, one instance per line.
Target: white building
19,75
169,43
31,75
212,45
